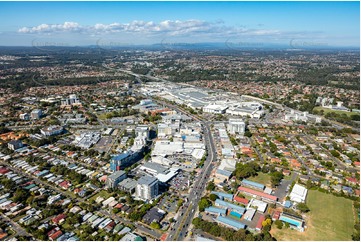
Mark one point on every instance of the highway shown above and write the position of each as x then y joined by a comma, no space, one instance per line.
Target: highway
187,211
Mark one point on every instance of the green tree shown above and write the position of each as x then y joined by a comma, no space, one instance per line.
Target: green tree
211,186
279,224
204,203
303,207
213,197
155,225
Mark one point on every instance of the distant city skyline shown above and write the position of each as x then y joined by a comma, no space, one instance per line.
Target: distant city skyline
248,24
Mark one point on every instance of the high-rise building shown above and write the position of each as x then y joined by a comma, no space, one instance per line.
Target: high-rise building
142,131
15,144
236,126
36,114
116,177
147,188
24,116
72,99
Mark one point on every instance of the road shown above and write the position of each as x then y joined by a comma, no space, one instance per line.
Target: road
140,227
16,227
153,233
253,144
187,211
337,161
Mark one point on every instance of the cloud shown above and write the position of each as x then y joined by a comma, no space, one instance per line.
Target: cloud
192,29
51,28
170,27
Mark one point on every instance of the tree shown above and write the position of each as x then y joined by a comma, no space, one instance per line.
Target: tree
267,222
303,207
279,224
155,225
246,170
211,186
248,134
204,203
213,197
20,195
335,153
276,178
8,184
135,216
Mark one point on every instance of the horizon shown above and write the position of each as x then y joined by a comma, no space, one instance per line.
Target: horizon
245,24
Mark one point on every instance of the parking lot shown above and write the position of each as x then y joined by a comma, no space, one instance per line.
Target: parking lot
180,182
104,144
168,204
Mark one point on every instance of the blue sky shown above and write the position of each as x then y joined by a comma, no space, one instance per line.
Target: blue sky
126,23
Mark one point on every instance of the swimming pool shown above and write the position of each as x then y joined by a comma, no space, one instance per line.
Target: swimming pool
291,221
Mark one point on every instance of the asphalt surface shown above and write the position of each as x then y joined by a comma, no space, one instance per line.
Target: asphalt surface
186,213
337,161
140,227
281,191
16,227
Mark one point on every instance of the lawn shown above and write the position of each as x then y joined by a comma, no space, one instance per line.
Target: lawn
330,218
262,178
102,193
327,110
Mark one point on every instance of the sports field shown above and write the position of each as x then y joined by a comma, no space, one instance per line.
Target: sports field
327,110
330,218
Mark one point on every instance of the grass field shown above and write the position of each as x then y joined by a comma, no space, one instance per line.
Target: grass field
102,116
262,178
330,218
327,110
102,193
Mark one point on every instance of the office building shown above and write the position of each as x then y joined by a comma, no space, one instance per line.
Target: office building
51,130
142,131
236,126
71,100
24,116
36,114
116,177
15,144
147,188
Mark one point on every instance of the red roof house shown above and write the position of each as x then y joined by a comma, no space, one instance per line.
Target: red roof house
58,219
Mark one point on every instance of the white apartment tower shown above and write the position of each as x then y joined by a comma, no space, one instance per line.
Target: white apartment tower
147,188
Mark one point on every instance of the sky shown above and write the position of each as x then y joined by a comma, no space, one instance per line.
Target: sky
134,23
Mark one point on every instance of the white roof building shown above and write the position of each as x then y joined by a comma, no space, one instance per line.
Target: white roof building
298,194
214,108
260,205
